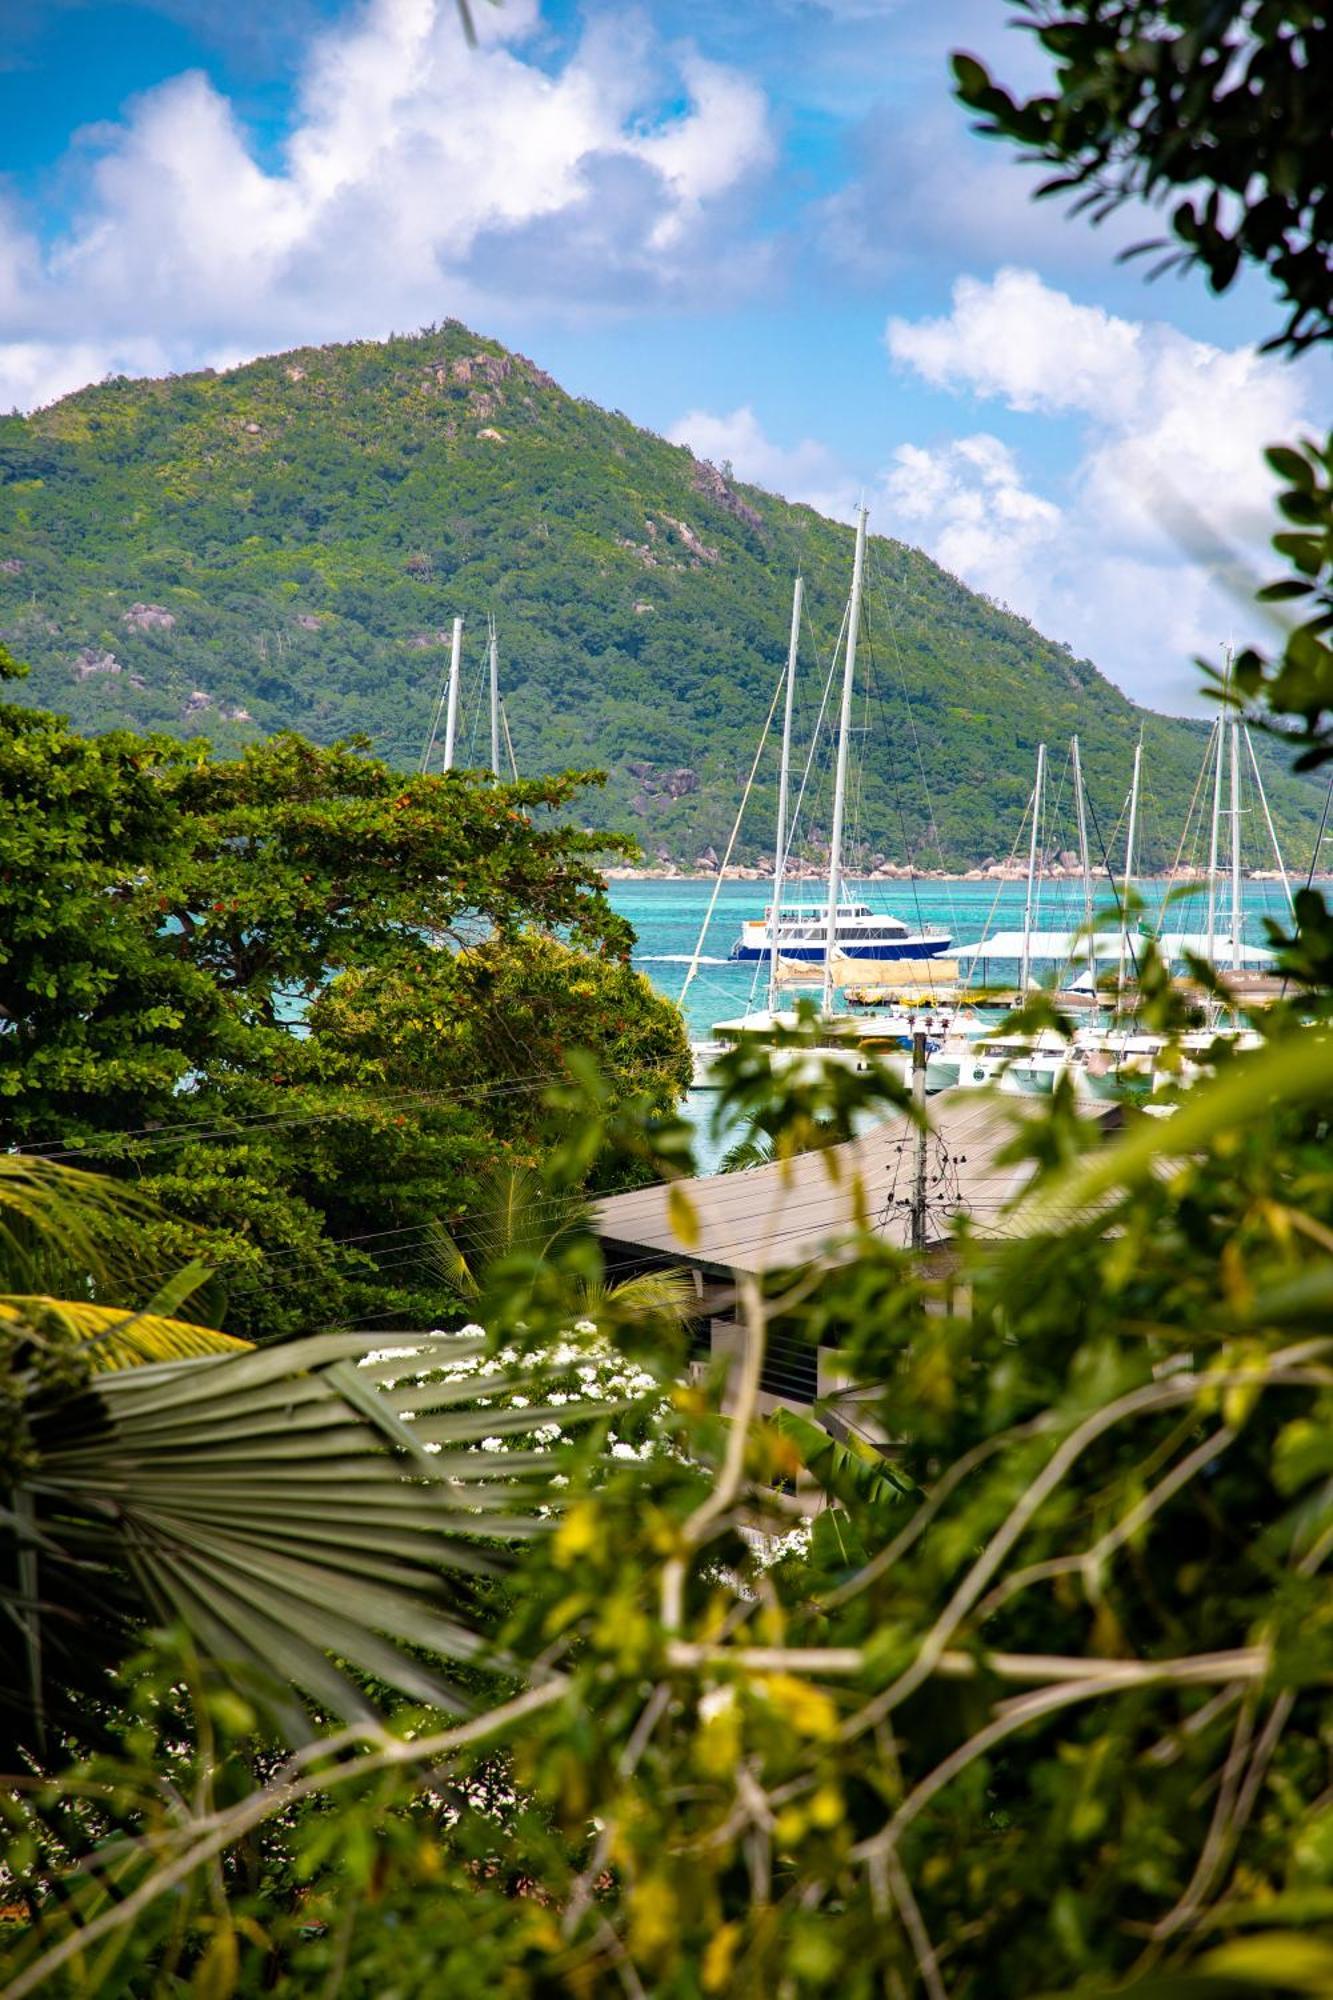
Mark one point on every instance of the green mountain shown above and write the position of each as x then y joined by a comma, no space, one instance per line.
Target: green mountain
286,544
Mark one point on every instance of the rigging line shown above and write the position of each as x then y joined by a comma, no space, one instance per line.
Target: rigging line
913,879
509,741
1001,884
1319,837
1185,830
1115,887
1268,818
897,793
817,736
440,700
931,818
736,827
480,684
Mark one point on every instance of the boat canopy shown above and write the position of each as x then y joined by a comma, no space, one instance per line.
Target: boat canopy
1174,944
1058,945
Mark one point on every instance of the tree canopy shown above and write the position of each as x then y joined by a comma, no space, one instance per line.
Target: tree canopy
192,950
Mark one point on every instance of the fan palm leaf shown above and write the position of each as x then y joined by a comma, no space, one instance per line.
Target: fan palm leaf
283,1507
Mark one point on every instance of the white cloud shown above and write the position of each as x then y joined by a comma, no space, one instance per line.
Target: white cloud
1128,558
969,499
415,172
1016,338
807,471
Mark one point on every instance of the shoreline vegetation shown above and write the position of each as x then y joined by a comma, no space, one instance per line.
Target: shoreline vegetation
999,871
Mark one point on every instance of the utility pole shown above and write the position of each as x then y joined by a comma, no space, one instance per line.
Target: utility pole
919,1101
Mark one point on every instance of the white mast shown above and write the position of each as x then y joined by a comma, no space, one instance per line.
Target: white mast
1084,862
1236,922
1025,965
1212,842
844,744
451,719
1129,868
495,703
1268,821
784,781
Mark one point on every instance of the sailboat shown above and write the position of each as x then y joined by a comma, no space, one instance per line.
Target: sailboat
827,933
447,701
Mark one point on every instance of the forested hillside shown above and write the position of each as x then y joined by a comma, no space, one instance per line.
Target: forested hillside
287,544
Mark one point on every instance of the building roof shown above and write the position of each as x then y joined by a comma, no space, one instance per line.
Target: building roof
781,1214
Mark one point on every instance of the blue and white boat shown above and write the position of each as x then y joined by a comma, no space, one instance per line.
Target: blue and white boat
801,936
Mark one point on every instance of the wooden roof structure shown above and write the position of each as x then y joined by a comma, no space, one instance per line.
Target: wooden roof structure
782,1214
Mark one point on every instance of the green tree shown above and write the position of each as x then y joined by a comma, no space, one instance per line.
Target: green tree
173,932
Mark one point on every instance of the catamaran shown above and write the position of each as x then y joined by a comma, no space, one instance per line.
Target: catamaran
801,934
834,930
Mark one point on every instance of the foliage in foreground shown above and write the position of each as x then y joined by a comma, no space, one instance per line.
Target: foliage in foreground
1045,1708
305,1004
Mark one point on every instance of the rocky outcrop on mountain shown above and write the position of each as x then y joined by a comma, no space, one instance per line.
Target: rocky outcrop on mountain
92,660
654,784
149,618
707,479
492,368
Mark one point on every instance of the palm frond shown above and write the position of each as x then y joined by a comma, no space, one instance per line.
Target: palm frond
308,1535
47,1207
660,1295
111,1337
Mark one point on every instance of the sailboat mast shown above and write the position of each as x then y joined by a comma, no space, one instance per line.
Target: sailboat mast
451,717
784,786
1025,965
1131,830
844,745
495,702
1236,917
1084,862
1212,842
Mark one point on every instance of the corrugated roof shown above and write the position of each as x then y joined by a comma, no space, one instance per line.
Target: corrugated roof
775,1215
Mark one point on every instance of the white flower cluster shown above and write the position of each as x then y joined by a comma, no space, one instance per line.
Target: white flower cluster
591,1369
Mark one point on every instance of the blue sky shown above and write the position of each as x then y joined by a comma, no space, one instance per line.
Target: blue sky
760,227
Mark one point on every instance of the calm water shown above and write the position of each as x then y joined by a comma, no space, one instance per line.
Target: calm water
667,917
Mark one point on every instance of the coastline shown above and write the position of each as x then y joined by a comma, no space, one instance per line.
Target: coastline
999,872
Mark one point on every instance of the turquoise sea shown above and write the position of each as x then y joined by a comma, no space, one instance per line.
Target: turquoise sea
667,916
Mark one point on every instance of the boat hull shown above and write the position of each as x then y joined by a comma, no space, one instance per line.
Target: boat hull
815,953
